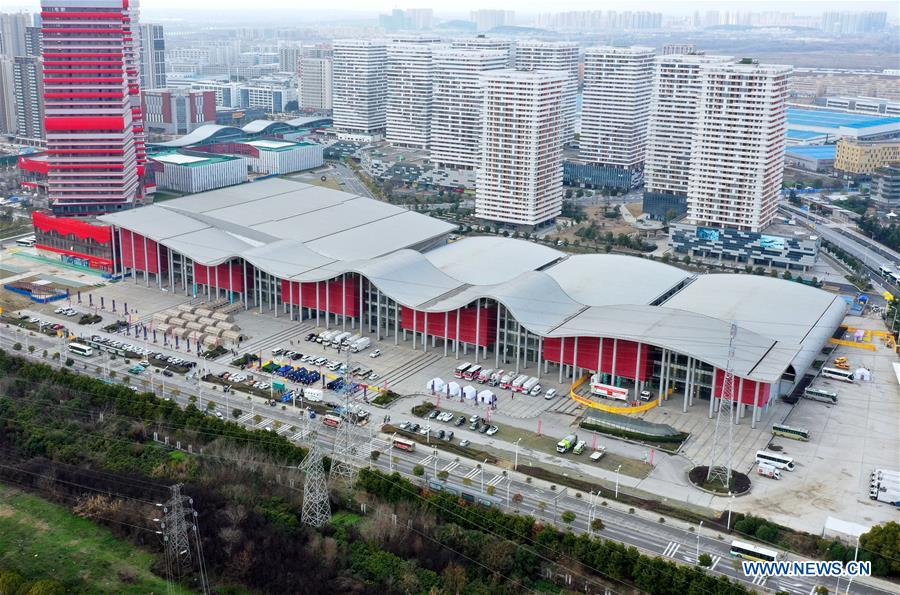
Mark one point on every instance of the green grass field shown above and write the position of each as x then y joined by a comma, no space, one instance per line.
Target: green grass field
42,540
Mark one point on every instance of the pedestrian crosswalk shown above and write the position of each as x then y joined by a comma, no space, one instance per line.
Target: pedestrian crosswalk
426,461
284,430
450,466
671,549
245,418
471,474
495,480
759,580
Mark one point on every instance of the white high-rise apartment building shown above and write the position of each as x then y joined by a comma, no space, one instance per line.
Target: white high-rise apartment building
519,180
457,104
359,87
316,76
410,75
554,55
488,19
12,33
670,133
481,42
28,75
153,57
7,96
616,105
737,157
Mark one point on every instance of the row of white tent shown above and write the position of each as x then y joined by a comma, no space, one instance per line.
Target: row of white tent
453,389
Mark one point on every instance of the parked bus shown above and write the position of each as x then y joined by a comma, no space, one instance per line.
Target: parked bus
885,270
775,459
834,373
26,242
791,432
404,444
472,372
817,394
740,549
331,420
461,369
81,349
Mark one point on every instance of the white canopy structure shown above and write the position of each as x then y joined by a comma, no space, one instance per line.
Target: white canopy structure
487,397
436,385
470,391
453,389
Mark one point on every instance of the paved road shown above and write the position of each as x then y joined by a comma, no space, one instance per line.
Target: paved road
672,539
351,182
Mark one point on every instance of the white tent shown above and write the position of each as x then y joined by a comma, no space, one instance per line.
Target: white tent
436,385
453,389
862,374
470,391
487,397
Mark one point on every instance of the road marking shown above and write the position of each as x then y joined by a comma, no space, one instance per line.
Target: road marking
759,580
716,560
471,474
244,418
495,480
670,550
296,437
284,430
265,422
450,466
426,460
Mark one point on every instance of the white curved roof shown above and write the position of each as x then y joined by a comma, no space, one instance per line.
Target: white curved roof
199,135
307,233
257,126
607,279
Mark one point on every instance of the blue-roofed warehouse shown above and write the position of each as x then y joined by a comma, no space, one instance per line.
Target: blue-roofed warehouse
807,125
812,158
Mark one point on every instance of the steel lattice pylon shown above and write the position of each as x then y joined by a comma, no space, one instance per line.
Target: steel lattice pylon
179,527
721,455
316,509
347,445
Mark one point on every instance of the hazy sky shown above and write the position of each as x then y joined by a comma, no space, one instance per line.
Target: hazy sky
311,10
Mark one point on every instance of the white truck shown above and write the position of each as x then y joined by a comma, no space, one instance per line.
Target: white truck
350,340
312,394
360,344
764,470
880,474
516,385
325,337
485,375
566,444
339,338
890,496
506,380
495,377
886,484
529,384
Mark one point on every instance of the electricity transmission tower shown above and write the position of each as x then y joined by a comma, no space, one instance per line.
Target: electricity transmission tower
181,538
722,454
346,444
316,506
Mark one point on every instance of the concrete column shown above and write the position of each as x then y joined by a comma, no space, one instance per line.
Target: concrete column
477,327
146,263
318,307
217,281
425,335
497,341
184,285
518,344
637,372
133,259
327,304
739,410
456,346
244,283
363,311
396,323
415,328
121,253
171,271
300,300
562,357
615,362
344,302
446,330
377,315
575,360
600,359
712,394
272,303
687,386
540,355
755,416
662,375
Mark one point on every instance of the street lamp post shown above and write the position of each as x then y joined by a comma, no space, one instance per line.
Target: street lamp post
516,465
617,481
435,453
391,453
730,506
698,541
482,474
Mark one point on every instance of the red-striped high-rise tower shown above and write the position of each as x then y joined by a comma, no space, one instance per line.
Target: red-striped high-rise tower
94,125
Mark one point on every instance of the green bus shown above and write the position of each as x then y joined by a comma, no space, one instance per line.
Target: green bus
791,432
817,394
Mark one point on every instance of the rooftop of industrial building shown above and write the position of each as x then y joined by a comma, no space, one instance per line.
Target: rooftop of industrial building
826,118
266,144
815,151
309,233
176,158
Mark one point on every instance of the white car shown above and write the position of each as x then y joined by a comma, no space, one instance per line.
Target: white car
426,430
550,394
144,363
375,353
492,430
374,377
